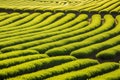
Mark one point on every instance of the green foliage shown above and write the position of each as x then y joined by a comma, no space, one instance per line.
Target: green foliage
18,60
105,5
113,75
54,38
12,19
60,5
90,50
3,13
36,20
93,38
116,10
34,66
8,16
17,53
110,53
111,7
19,22
60,69
34,27
87,72
59,22
23,36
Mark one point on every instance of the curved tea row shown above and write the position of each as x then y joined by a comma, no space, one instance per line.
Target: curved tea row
61,34
30,65
99,6
51,46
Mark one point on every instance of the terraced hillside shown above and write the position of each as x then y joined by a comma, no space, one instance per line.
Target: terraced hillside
88,6
59,40
41,46
61,34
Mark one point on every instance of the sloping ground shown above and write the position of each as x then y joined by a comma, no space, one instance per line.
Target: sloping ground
59,40
61,34
51,46
89,6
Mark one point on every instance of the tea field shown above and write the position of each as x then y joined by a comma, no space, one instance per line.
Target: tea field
59,40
